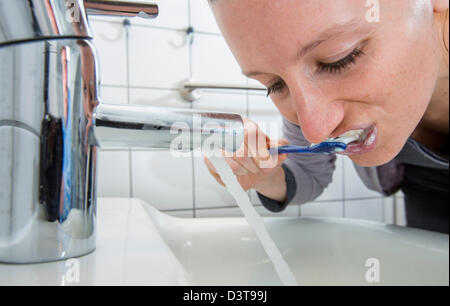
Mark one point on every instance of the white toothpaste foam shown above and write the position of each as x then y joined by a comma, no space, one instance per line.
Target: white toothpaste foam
347,137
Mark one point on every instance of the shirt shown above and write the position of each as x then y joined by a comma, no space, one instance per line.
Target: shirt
308,175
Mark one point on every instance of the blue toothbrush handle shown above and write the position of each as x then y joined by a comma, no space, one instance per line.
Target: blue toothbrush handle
321,148
290,149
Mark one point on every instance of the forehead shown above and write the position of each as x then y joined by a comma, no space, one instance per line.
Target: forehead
258,28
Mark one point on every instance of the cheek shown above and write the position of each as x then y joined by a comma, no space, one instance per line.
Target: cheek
400,87
405,91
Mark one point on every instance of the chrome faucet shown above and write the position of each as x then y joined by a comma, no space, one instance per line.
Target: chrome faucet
52,122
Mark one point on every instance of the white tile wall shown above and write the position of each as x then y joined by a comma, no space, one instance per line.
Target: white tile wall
158,58
202,18
222,102
114,174
365,209
212,60
143,64
114,95
157,97
389,210
354,188
400,217
110,41
335,189
161,180
265,114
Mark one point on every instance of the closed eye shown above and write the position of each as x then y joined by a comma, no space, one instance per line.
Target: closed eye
336,67
342,64
277,87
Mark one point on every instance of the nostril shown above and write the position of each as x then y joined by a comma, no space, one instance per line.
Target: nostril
314,139
315,132
319,123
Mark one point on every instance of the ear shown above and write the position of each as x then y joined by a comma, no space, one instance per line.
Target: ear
440,5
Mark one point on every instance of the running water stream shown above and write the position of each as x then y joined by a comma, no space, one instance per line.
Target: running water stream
254,220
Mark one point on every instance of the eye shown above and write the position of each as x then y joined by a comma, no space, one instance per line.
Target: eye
277,87
344,63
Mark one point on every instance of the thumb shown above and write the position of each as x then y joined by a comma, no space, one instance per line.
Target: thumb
278,143
283,142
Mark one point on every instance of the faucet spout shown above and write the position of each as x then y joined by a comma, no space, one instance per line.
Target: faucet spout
164,128
121,8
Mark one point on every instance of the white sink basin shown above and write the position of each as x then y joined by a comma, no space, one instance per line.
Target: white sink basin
135,249
225,251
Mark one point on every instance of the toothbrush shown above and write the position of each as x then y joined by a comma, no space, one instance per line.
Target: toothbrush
331,146
321,148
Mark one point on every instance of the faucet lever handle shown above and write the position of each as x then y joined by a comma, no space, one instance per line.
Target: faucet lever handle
121,8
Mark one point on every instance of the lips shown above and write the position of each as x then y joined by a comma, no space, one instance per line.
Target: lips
365,143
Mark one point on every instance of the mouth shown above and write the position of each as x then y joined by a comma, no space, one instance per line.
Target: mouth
358,141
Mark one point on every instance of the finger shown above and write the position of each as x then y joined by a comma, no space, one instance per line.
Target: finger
283,142
256,141
278,142
274,162
275,159
237,168
243,157
248,163
263,145
269,164
250,137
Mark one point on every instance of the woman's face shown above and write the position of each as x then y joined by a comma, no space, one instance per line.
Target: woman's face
330,70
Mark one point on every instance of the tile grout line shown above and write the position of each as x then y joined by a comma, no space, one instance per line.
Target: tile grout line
139,87
126,25
260,205
191,106
247,114
343,188
394,212
149,26
211,208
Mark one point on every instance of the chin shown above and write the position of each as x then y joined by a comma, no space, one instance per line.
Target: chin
374,158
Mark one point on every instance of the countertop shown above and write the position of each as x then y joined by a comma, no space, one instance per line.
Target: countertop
130,251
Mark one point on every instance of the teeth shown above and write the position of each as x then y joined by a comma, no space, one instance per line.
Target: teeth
348,137
369,141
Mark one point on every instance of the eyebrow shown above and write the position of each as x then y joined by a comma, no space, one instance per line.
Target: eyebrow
332,31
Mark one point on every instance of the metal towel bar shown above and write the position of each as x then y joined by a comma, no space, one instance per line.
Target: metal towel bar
191,90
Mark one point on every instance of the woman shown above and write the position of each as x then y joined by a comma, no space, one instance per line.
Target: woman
337,66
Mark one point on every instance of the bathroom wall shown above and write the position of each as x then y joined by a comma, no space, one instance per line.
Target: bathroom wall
143,63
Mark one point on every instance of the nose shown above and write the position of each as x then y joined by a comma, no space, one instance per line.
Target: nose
318,114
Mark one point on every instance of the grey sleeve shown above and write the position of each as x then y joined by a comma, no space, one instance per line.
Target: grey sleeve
306,175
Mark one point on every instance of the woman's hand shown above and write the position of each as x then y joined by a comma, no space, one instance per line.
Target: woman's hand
253,165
